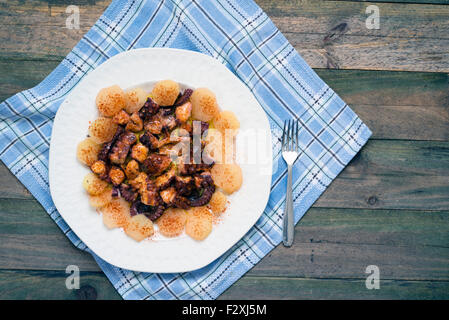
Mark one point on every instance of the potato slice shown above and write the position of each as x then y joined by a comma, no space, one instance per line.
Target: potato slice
204,104
172,222
199,223
116,213
135,99
215,145
227,123
102,199
165,92
87,151
110,100
102,130
227,177
139,227
218,202
94,185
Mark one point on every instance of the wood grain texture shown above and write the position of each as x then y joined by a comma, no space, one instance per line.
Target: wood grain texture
294,288
400,1
393,175
390,103
329,243
51,285
389,207
328,34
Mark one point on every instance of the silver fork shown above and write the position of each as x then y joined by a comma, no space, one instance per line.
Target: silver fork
290,152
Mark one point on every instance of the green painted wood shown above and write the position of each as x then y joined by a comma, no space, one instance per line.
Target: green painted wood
396,105
400,1
20,75
329,243
31,240
51,285
10,186
391,103
328,34
393,175
293,288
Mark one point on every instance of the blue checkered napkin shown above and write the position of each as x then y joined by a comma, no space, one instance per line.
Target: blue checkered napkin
240,35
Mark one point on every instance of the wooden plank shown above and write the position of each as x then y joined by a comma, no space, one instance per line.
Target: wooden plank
294,288
389,88
328,34
51,285
401,1
17,76
385,174
391,103
393,175
329,243
10,186
29,238
396,105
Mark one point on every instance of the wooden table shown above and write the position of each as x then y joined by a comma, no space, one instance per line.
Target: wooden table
389,207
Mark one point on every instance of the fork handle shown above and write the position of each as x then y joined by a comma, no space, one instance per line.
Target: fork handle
288,229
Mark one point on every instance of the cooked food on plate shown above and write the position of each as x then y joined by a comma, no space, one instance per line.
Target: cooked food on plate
160,161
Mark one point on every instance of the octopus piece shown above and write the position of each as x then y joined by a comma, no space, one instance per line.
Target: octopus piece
187,127
155,212
169,150
155,164
168,195
169,122
127,192
183,112
106,149
184,185
152,213
164,119
204,127
140,181
149,109
132,169
207,190
99,167
134,210
116,175
172,199
115,191
148,193
135,123
121,147
166,111
164,180
187,169
181,202
184,97
139,152
149,140
154,125
121,118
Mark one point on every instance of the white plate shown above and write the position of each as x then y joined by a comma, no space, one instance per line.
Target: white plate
143,67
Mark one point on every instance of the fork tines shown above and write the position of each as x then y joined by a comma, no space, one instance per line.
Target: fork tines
290,141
